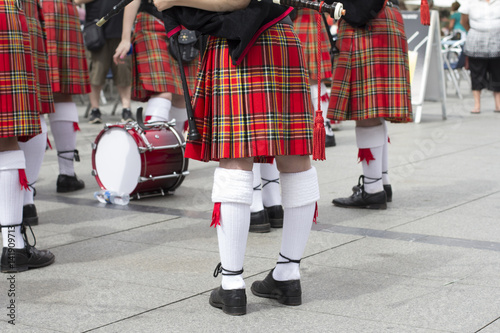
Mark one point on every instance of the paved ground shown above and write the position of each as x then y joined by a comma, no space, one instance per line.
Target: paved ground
429,263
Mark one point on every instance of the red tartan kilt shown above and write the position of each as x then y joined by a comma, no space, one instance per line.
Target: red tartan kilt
260,108
154,70
69,72
306,28
33,16
371,76
19,116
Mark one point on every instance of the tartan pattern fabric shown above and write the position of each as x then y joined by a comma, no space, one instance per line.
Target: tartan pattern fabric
34,17
306,27
371,74
19,105
260,108
154,69
69,72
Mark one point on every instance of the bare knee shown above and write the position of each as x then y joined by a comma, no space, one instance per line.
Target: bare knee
369,122
293,163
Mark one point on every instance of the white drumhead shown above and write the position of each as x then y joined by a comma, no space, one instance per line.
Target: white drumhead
118,161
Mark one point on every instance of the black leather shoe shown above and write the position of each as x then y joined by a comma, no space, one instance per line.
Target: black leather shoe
233,301
29,215
285,292
19,260
275,215
388,192
387,189
67,183
361,199
259,222
330,141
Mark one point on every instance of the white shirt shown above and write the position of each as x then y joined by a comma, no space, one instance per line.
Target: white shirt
483,38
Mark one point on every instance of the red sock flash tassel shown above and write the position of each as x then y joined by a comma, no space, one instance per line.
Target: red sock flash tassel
23,180
216,215
315,214
319,122
365,154
76,128
425,15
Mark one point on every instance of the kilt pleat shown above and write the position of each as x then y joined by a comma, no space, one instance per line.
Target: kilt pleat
154,70
19,105
371,74
260,108
69,72
34,17
306,27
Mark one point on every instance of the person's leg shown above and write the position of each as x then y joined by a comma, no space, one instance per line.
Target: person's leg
64,125
17,255
477,101
300,192
494,69
34,151
496,95
259,221
385,163
122,78
158,108
370,139
271,193
232,197
478,69
179,113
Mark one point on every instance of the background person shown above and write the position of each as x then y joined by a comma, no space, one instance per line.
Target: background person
481,19
102,60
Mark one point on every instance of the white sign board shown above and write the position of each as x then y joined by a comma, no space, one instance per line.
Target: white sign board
426,62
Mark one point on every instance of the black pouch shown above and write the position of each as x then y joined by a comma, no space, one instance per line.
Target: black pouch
93,36
189,49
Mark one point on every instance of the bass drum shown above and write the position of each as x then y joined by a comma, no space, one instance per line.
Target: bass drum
129,159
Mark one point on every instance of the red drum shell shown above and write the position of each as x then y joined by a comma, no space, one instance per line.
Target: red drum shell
127,159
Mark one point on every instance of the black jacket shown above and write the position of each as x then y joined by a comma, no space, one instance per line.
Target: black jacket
241,28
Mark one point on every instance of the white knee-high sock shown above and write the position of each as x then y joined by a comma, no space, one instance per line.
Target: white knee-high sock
180,115
372,138
158,109
257,205
385,156
11,197
34,151
62,126
233,190
300,191
271,190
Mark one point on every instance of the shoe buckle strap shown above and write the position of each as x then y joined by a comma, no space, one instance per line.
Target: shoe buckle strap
289,260
373,180
221,270
268,181
76,155
23,232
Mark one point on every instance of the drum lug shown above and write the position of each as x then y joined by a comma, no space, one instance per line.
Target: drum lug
93,145
93,172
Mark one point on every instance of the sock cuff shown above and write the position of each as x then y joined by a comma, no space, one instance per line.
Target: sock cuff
12,160
370,137
300,188
232,185
159,107
66,111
